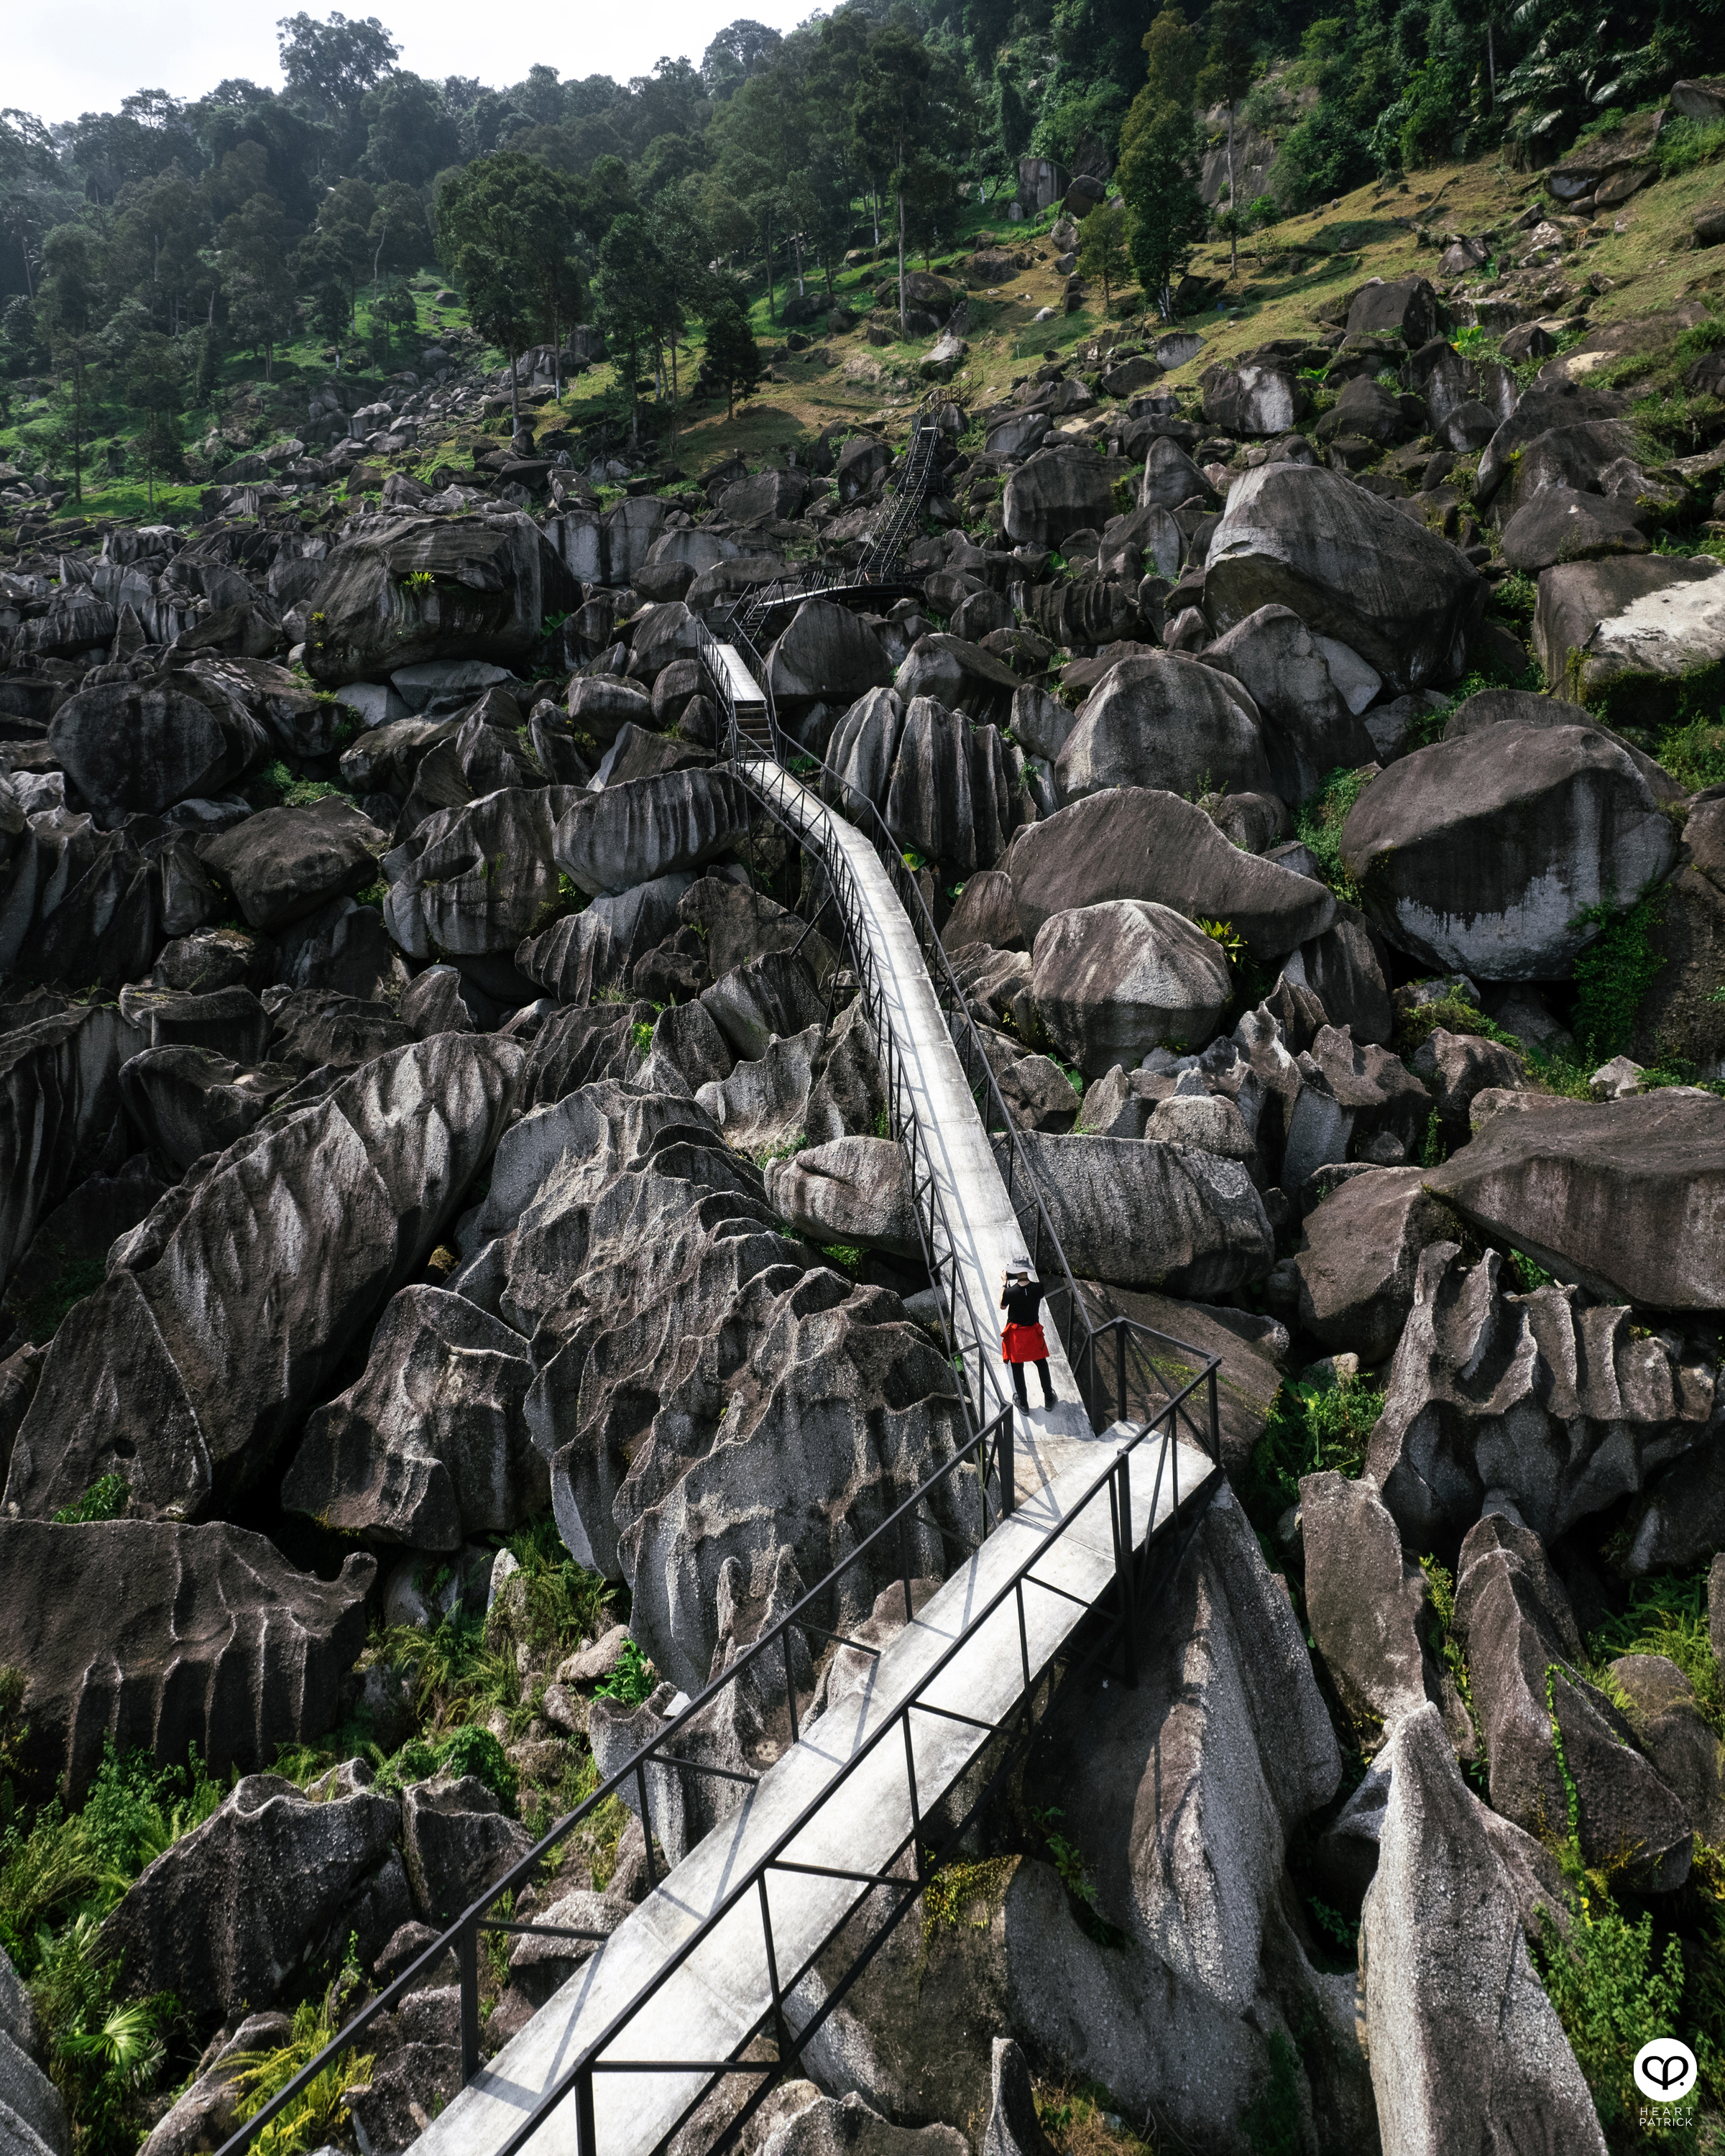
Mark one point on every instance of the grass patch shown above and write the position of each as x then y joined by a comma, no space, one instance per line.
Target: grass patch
1317,824
300,792
41,1311
1694,753
1614,973
1314,1424
1668,1616
1450,1014
106,1499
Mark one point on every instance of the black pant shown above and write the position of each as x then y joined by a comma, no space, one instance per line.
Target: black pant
1017,1383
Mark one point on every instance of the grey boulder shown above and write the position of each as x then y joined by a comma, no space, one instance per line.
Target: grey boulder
1055,491
1523,1651
1136,842
646,828
1481,854
1620,1196
411,589
1350,565
163,1635
1135,1214
456,1840
1115,980
1466,2050
1308,691
225,1917
1622,635
1546,1400
850,1190
1164,721
223,1313
286,863
825,651
475,879
1359,1257
141,747
430,1446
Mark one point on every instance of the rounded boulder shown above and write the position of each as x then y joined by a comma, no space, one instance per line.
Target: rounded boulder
1113,981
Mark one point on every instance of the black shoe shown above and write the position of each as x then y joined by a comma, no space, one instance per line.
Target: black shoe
1048,1400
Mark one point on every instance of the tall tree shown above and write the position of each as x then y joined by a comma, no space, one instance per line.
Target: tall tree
257,272
889,109
492,236
330,66
1103,253
154,387
733,360
1158,159
71,306
1226,78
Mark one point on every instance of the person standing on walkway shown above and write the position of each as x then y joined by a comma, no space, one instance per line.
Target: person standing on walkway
1023,1341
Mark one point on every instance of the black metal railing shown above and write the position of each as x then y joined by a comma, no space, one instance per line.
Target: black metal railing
924,1846
877,567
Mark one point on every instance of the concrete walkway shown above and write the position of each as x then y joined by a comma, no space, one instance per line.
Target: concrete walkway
706,2008
957,1152
863,1815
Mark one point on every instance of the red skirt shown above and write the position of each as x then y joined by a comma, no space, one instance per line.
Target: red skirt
1024,1343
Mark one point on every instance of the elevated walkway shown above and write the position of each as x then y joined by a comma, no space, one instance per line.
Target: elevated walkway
1073,1506
622,2054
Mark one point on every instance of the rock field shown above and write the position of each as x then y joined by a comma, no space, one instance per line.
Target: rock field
447,1215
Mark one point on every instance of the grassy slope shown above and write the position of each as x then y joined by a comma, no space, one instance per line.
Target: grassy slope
1285,274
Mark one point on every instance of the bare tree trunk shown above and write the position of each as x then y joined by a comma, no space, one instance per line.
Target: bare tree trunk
1233,206
901,329
514,394
1491,66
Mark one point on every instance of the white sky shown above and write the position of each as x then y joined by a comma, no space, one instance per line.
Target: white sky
57,66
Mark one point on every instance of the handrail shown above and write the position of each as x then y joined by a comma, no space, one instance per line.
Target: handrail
462,1934
1115,1478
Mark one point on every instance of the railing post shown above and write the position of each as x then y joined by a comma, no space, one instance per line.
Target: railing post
784,2034
916,1808
790,1680
1123,1555
646,1823
586,2135
1215,1419
1119,1414
467,1961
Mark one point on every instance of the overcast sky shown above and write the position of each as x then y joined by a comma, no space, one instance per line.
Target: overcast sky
60,65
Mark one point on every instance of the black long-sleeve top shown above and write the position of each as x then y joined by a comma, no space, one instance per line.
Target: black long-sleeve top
1022,1301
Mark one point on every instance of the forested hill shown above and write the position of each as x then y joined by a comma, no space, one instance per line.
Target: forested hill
156,261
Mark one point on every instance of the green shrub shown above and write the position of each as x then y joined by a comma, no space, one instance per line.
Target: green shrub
103,2058
1614,973
471,1750
136,1809
1669,1617
1313,1425
106,1499
632,1680
44,1875
1318,822
1611,1995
